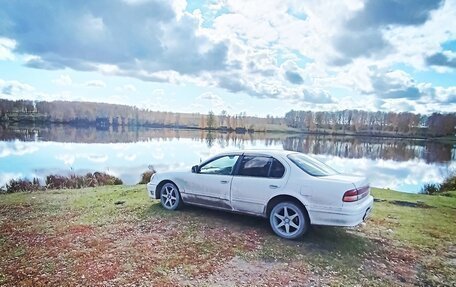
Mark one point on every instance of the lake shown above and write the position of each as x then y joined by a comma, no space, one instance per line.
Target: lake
400,164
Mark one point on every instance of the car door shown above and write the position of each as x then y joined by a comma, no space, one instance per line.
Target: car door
256,180
210,186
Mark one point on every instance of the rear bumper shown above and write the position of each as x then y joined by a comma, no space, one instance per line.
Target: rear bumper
151,188
349,215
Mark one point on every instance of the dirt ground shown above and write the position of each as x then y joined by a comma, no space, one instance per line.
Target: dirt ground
116,236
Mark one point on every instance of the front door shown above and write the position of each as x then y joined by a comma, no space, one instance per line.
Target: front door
211,185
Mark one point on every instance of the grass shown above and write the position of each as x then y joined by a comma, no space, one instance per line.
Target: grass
428,233
116,235
419,227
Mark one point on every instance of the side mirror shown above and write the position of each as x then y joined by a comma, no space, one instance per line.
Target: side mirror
195,169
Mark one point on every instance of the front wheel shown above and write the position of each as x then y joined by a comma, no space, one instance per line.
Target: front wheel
288,220
170,197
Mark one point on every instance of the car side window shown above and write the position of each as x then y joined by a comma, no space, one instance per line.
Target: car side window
223,165
255,166
277,169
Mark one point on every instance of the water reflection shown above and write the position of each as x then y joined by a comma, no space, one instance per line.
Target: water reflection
38,151
372,148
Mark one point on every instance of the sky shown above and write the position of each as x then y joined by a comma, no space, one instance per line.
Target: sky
260,57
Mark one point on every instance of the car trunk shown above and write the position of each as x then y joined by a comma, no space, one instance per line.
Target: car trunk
360,191
358,181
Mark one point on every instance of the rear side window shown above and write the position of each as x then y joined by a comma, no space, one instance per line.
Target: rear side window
261,166
277,169
311,165
255,166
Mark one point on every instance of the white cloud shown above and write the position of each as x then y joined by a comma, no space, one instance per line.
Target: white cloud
63,80
108,69
158,93
413,43
209,96
126,89
15,89
96,84
164,38
215,102
446,95
6,48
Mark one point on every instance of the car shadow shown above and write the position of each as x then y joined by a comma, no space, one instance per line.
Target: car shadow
227,218
318,240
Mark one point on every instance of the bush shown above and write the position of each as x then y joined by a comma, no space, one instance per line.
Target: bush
18,185
449,184
145,176
106,179
55,181
75,181
430,188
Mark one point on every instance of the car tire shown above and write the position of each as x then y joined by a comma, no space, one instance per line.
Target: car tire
170,196
288,220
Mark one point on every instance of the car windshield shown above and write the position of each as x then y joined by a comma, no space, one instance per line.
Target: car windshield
311,165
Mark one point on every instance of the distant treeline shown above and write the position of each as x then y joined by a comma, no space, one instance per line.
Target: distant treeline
371,123
104,116
111,116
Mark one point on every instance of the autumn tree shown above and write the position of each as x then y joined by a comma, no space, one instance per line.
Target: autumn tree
210,120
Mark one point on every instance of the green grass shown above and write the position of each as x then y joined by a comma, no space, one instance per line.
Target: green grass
428,233
42,233
420,227
100,207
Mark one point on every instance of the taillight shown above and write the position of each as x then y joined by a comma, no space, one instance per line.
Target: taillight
355,194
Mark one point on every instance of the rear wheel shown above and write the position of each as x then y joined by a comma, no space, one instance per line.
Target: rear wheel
170,196
288,220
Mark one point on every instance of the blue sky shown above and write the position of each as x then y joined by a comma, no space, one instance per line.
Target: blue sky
259,57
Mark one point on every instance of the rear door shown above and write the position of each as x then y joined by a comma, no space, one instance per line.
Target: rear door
257,178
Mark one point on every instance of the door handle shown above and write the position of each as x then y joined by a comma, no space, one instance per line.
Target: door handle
224,181
273,186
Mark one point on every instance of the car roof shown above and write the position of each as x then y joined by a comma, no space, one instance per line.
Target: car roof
268,152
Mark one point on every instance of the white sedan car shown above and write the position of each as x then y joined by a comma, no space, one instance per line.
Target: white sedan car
292,189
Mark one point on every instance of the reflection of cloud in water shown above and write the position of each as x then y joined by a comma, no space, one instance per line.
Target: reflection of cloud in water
157,153
129,157
5,177
16,148
406,176
130,175
120,146
68,147
67,159
97,158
